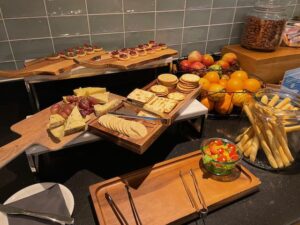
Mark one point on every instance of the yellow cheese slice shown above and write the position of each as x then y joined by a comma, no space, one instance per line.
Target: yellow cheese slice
75,122
102,109
102,97
88,91
55,120
57,132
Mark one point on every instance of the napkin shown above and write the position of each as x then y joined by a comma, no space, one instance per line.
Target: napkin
48,201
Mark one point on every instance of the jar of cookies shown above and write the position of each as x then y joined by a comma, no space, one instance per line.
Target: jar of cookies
264,25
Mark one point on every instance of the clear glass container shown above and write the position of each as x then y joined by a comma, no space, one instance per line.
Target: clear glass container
291,33
274,118
264,25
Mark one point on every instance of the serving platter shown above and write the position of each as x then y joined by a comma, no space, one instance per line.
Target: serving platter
159,195
33,130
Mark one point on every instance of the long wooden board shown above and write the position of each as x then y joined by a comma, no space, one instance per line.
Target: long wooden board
159,195
181,105
109,62
45,66
33,130
154,128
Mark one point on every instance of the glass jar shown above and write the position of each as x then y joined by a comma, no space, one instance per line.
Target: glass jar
291,33
264,25
272,139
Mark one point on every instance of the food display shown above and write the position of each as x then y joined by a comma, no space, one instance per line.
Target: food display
72,114
220,156
187,83
160,105
125,54
140,96
167,80
129,128
273,115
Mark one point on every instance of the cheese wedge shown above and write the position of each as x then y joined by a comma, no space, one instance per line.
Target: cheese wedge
57,132
55,120
88,91
75,122
101,97
102,109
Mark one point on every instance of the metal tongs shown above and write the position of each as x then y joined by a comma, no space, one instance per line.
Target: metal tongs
116,210
133,208
204,210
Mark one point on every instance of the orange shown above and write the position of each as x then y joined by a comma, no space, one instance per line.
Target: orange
252,85
223,82
216,92
239,74
208,104
204,83
240,97
212,76
234,85
225,106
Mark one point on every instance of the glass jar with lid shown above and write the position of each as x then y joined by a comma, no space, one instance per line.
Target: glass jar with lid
264,25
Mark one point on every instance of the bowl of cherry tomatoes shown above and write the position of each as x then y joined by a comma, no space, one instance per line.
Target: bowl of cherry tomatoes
220,156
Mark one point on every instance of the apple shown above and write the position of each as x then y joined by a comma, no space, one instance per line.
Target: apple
197,66
207,60
195,56
230,57
185,65
223,64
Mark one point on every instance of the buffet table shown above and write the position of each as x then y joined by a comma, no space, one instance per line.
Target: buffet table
277,202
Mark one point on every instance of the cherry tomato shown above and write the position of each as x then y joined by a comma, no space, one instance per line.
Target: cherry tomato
234,157
213,150
221,158
218,142
231,147
221,150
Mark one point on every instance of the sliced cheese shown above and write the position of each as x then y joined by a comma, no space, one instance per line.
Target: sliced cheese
102,109
88,91
101,97
57,132
55,120
75,122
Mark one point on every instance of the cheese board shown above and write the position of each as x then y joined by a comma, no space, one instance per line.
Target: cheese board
108,62
158,189
35,130
46,66
138,145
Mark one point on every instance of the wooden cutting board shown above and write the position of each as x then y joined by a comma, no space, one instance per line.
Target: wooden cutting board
33,130
159,194
45,66
109,62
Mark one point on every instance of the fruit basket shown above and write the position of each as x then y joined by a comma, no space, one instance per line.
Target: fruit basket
225,86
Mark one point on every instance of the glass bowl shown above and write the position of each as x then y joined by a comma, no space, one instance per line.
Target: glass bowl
215,166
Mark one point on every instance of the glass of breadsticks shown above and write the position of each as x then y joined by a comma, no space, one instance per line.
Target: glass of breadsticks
274,118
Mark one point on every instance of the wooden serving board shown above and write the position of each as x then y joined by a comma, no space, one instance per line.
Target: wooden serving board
154,128
181,105
109,62
159,194
46,66
33,130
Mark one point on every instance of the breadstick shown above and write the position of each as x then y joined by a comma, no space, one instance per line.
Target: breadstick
283,103
273,101
255,147
259,134
292,128
249,148
264,99
238,138
284,158
247,136
286,107
272,145
280,135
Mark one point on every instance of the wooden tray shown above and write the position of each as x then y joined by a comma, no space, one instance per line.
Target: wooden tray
181,105
109,62
155,128
33,130
159,194
45,66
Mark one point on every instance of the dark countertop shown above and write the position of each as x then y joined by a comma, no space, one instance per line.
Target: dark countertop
277,202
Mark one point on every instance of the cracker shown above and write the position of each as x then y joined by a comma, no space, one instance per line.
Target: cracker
167,78
159,89
176,96
190,78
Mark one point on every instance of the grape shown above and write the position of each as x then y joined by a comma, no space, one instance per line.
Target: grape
84,104
55,108
92,100
63,114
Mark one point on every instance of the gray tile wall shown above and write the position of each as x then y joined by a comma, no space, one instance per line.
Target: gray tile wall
35,28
